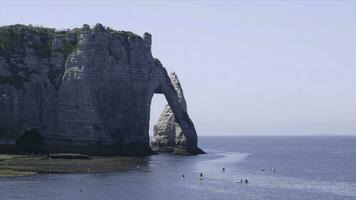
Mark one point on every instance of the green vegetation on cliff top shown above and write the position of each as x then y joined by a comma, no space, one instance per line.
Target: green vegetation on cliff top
16,39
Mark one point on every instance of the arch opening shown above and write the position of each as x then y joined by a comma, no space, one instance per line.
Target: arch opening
31,141
157,105
162,125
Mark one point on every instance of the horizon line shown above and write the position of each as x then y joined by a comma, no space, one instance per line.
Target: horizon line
280,135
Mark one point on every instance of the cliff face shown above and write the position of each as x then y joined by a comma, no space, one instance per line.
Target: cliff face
168,135
82,90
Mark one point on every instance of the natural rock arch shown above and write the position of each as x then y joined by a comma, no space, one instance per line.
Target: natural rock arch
188,145
85,88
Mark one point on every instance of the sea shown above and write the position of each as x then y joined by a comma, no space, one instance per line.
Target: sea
277,168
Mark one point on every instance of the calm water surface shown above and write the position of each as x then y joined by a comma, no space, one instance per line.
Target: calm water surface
306,168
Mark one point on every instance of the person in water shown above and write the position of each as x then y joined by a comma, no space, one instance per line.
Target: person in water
243,181
201,176
223,169
183,177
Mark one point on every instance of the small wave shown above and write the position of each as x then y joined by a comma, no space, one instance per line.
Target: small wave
224,159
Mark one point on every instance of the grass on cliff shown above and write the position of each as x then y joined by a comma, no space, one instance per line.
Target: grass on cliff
24,165
15,39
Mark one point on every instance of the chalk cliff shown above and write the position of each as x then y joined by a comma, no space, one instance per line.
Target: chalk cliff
82,90
168,135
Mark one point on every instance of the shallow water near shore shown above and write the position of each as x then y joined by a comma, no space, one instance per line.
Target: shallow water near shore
306,168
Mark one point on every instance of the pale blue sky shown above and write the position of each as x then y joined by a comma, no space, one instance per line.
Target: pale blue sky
247,67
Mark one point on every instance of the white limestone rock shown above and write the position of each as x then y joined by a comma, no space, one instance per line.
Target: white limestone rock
168,135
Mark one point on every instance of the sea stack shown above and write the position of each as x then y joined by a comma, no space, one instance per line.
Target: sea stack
85,90
168,135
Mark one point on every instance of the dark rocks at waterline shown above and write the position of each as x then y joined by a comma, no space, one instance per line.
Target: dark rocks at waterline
83,90
68,156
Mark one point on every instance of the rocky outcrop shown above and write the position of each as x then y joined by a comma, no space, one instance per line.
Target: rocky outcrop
82,90
168,135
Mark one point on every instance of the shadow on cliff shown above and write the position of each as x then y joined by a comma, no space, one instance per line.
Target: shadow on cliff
31,141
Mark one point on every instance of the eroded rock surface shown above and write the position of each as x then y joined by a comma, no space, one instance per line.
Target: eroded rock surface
82,90
168,135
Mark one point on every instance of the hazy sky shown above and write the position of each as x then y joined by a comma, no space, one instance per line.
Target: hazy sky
247,67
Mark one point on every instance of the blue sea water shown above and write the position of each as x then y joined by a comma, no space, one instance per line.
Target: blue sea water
306,168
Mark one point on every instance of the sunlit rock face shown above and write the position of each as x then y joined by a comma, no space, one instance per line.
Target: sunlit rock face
83,90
